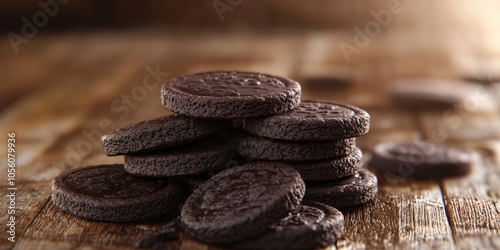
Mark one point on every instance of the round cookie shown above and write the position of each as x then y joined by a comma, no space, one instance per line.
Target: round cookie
332,169
230,95
162,132
312,226
312,121
108,193
241,202
275,150
351,191
195,158
421,159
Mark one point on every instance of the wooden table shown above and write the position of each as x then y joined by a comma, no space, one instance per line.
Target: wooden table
61,92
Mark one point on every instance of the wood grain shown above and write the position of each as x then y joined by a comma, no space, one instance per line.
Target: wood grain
30,199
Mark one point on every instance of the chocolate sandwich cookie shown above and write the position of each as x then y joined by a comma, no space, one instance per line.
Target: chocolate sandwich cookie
421,159
331,169
230,95
279,150
161,132
312,121
195,158
108,193
241,202
313,225
348,192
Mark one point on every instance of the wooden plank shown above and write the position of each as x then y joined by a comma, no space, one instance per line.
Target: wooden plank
30,198
405,214
78,232
473,202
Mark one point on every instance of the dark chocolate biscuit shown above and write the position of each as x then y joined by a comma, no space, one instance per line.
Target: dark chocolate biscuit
278,150
312,121
421,159
312,226
332,169
108,193
351,191
161,132
242,201
230,95
195,158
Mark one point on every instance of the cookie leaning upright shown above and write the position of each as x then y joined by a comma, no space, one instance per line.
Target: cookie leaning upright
242,201
230,95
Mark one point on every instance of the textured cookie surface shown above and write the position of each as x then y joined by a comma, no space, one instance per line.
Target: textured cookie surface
161,132
230,95
241,202
276,150
351,191
331,169
108,193
313,225
421,159
194,158
312,121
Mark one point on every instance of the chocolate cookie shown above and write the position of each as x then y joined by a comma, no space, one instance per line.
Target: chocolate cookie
161,132
351,191
312,121
421,159
313,225
277,150
195,158
108,193
242,201
332,169
230,95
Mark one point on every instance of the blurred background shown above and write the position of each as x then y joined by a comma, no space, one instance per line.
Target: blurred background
69,65
382,40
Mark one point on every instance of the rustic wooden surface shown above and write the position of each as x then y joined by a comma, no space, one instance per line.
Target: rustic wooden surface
58,95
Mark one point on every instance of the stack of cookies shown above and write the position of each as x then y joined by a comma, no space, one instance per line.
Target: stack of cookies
318,140
198,153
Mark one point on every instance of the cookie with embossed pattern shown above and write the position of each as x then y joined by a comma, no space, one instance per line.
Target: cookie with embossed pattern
312,121
162,132
108,193
241,202
348,192
312,226
230,95
278,150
